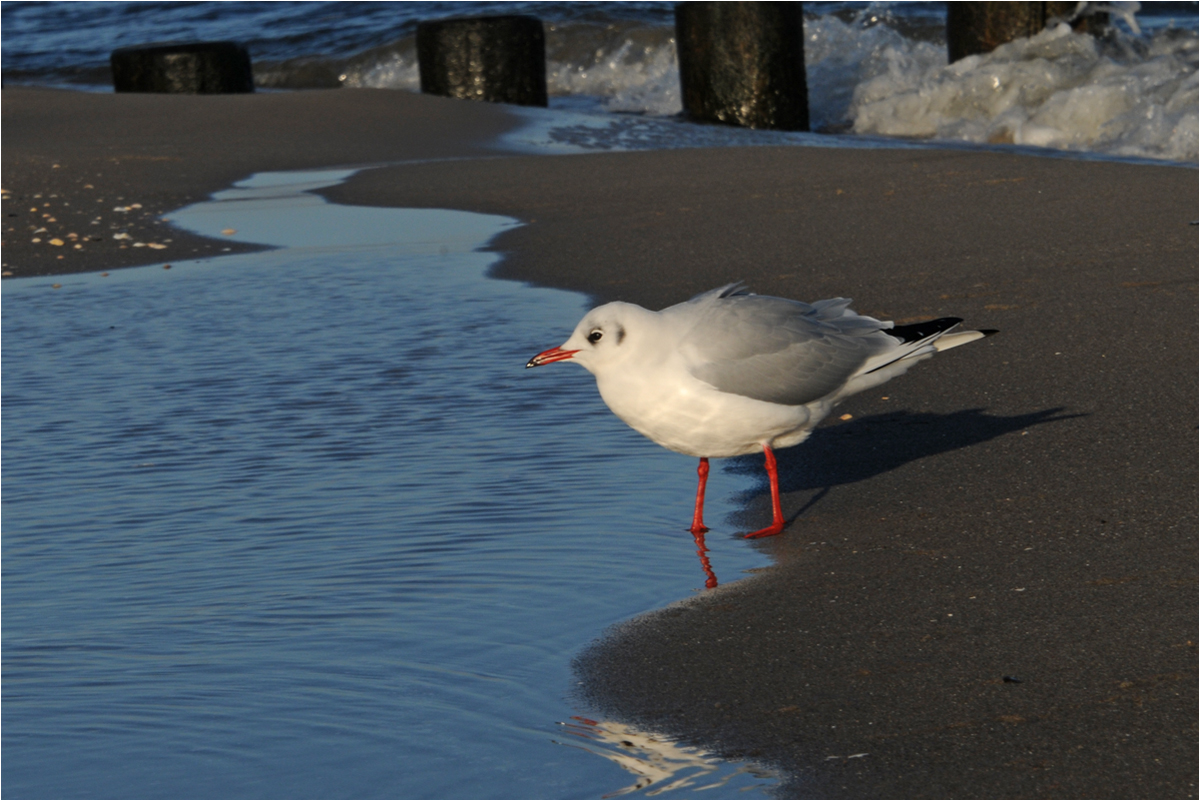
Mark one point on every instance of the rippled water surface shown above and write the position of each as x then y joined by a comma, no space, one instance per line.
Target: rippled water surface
300,524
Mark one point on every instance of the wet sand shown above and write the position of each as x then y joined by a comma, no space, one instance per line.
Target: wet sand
988,584
71,158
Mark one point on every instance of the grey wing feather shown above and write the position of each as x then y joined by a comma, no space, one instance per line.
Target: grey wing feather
774,349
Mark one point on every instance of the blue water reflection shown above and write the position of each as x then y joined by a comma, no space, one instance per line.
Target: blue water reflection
298,523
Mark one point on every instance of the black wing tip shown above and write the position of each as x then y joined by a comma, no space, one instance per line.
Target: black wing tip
918,331
987,332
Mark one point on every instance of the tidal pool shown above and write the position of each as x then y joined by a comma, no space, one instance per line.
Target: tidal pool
299,524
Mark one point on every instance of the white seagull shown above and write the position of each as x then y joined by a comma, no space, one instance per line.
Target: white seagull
729,372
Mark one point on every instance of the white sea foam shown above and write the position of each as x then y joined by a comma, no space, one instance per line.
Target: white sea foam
839,56
1122,95
1059,89
634,77
386,68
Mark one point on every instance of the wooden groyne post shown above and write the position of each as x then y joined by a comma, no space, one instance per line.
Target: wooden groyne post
196,68
500,59
743,63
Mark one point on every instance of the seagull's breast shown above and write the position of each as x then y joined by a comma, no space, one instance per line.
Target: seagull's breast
680,412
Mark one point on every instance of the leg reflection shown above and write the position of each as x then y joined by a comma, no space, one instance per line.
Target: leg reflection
702,552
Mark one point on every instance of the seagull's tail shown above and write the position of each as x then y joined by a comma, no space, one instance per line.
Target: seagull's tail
917,342
923,339
936,333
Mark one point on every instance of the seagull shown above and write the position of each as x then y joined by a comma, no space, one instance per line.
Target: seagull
729,372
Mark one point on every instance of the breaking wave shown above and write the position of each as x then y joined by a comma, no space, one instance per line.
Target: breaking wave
1123,95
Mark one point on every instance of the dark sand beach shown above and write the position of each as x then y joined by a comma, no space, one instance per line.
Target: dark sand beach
988,584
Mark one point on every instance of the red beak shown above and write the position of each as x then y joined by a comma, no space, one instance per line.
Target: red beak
552,355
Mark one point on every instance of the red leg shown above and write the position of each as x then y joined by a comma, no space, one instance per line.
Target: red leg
698,526
776,508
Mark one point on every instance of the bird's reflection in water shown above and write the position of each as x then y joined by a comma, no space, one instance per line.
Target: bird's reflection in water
659,764
702,552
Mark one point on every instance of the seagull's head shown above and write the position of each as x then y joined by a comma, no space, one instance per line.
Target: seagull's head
600,340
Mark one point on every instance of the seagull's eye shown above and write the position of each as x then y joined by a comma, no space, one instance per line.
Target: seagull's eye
595,336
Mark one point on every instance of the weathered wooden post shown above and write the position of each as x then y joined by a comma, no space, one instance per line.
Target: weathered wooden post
973,28
743,63
499,59
197,68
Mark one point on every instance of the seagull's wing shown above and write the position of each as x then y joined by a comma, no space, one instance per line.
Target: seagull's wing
774,349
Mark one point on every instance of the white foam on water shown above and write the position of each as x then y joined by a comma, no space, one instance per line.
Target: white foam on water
1058,89
840,56
1122,95
393,69
627,69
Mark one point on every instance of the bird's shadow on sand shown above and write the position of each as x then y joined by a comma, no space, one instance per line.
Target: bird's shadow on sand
869,446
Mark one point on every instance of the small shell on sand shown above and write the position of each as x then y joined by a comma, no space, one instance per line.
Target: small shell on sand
229,231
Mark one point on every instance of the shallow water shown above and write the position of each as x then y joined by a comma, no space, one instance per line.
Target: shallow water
299,523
